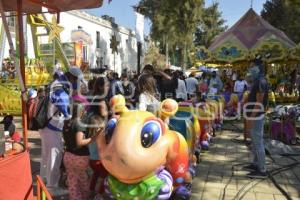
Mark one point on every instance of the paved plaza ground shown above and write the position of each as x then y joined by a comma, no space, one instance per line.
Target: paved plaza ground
219,175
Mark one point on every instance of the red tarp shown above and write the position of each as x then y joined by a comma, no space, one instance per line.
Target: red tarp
35,6
15,178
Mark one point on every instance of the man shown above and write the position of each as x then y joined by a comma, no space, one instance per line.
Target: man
115,85
255,109
128,87
240,86
168,86
58,112
234,76
191,85
158,75
215,84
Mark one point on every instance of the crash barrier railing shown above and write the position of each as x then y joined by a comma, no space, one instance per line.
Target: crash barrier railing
42,192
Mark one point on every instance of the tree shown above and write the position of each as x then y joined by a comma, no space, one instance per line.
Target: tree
154,57
295,3
284,16
212,25
174,22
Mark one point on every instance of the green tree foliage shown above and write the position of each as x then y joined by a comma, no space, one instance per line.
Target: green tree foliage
212,25
174,22
294,3
284,15
154,57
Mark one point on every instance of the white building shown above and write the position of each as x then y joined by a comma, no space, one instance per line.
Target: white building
93,33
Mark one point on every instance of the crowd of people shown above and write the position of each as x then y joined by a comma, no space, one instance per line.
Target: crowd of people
79,111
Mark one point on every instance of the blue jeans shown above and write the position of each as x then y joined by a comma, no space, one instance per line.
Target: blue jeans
258,147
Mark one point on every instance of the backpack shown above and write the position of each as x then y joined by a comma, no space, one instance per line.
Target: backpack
38,115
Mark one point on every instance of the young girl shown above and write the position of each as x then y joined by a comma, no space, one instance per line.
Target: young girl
99,102
76,157
96,123
147,100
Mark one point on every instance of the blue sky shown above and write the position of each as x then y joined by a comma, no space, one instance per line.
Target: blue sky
123,13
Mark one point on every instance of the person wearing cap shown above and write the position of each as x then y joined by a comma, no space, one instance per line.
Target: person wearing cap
255,113
61,90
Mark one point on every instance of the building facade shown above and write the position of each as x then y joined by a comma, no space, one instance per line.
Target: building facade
91,35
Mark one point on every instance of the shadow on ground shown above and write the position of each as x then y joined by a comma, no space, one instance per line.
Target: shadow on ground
220,174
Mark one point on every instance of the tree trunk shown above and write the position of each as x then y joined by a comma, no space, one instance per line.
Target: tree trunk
167,54
184,57
167,51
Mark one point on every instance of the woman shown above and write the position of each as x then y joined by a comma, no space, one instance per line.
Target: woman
147,100
203,84
99,102
76,157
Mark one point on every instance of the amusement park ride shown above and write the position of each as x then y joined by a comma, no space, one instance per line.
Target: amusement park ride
36,71
15,170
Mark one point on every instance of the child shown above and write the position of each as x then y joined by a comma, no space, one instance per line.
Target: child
13,137
96,123
232,106
10,127
76,157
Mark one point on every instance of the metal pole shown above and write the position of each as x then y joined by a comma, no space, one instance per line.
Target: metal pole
167,54
139,48
22,68
11,46
53,41
18,67
114,62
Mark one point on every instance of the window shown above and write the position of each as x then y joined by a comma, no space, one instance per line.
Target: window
97,39
11,22
85,53
99,62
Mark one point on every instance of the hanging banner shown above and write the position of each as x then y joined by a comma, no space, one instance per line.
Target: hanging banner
139,27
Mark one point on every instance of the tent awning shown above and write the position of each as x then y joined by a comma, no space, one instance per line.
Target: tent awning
35,6
249,37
